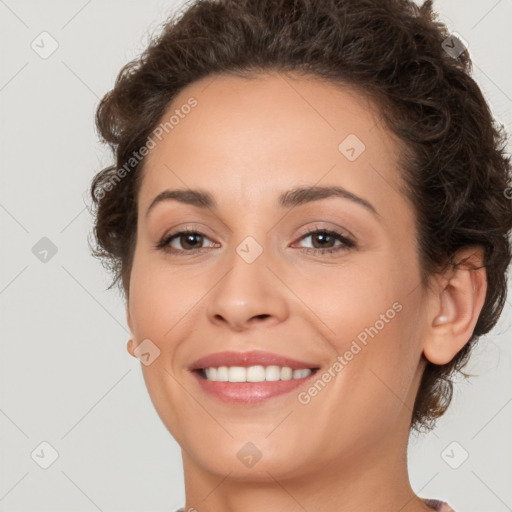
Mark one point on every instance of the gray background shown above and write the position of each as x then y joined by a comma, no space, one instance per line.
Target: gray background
66,377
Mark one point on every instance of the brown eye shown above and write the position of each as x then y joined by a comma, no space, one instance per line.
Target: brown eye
190,240
323,240
187,241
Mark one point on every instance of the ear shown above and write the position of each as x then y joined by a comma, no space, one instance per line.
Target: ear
457,302
130,345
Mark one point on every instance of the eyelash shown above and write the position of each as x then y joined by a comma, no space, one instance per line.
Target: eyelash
347,243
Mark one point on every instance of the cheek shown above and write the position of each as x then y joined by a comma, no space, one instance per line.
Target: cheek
160,298
349,298
365,317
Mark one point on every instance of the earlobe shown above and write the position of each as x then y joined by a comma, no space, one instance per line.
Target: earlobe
129,347
458,303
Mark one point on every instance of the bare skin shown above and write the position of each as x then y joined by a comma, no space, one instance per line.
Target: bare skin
246,142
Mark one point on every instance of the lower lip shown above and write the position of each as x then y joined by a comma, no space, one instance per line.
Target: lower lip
248,393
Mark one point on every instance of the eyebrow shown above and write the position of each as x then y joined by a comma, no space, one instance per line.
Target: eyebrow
291,198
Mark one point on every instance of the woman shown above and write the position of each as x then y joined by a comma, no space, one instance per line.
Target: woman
308,218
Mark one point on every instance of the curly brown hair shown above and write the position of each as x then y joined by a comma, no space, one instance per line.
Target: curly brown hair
454,166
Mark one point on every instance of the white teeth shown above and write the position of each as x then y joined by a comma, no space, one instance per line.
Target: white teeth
299,374
272,373
254,373
286,373
222,374
237,374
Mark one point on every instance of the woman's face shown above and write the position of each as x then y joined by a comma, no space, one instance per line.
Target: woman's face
253,279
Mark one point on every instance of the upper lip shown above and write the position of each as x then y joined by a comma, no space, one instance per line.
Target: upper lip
252,358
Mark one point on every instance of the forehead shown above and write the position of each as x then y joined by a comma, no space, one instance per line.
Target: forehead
249,138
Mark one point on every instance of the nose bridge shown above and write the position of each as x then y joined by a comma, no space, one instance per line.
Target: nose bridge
248,291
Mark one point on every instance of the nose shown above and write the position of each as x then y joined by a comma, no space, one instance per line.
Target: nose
247,296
